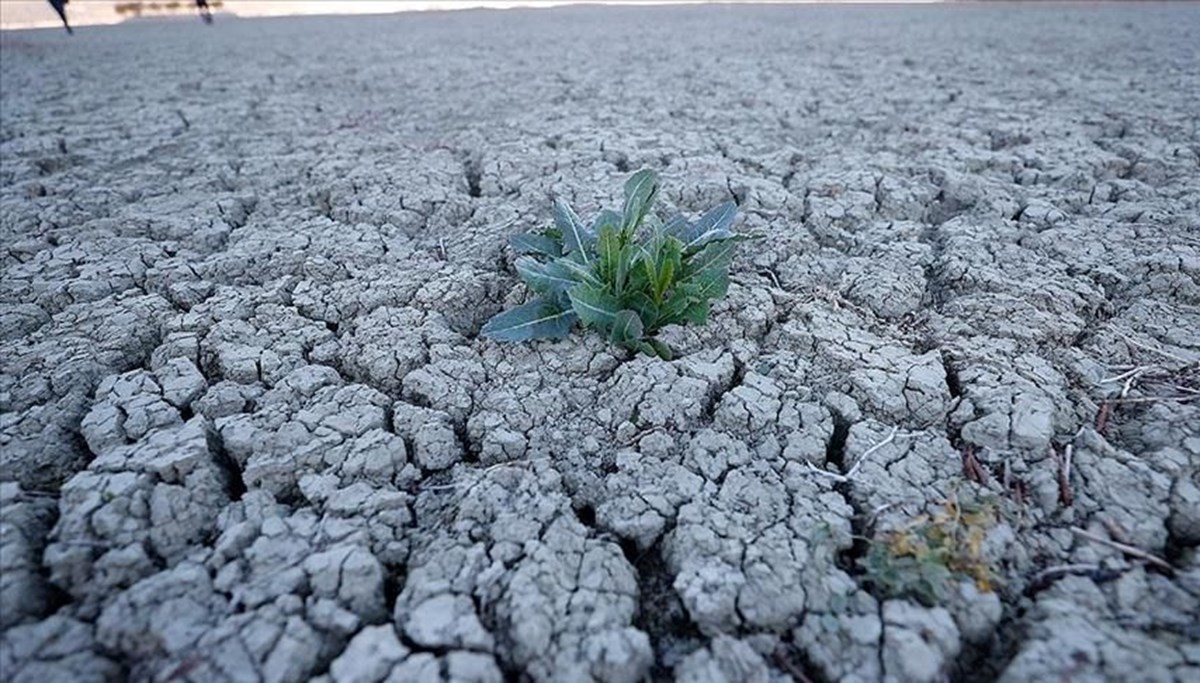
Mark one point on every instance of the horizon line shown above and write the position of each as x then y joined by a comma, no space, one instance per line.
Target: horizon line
252,9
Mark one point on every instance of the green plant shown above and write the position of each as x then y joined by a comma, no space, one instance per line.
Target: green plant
920,559
625,275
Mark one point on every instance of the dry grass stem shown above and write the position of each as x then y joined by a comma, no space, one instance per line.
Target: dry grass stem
1125,548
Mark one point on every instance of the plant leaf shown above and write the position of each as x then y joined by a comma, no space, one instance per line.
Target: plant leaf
576,238
624,263
626,273
710,284
659,347
677,226
538,319
594,306
673,310
714,256
647,254
713,225
640,191
605,218
646,309
669,265
627,328
553,277
608,250
582,273
533,243
696,313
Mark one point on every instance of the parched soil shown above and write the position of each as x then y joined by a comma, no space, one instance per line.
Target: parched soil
944,425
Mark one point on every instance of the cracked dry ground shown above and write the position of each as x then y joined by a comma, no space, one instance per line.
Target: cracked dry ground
250,432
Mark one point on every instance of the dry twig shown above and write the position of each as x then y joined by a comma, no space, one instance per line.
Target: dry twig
478,479
1165,354
1065,495
849,476
774,278
1155,399
1062,569
1125,548
790,667
1139,370
972,468
1102,418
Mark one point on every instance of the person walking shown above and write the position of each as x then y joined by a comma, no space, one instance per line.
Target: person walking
205,12
60,6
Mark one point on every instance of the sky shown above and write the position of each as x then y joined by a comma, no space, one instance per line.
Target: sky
15,14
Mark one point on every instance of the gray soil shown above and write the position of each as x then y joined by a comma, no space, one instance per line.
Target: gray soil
250,431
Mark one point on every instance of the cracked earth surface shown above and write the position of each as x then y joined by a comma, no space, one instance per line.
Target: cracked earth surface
249,431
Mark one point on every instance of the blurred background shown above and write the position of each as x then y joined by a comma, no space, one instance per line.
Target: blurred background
18,14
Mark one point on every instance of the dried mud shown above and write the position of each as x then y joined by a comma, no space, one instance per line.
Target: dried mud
250,432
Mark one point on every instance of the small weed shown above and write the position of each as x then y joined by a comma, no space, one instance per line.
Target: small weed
920,560
625,275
